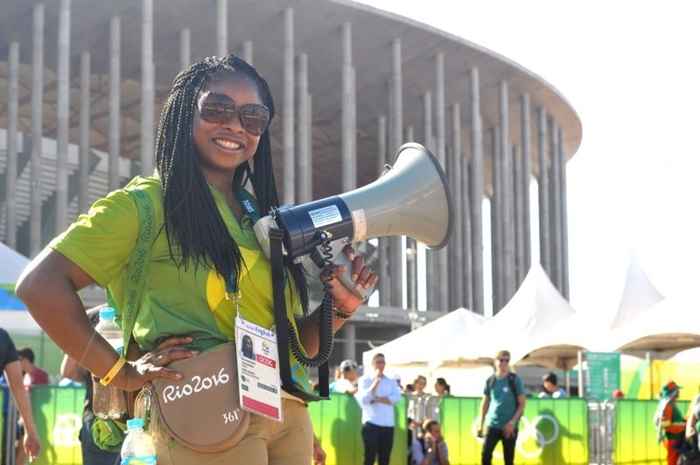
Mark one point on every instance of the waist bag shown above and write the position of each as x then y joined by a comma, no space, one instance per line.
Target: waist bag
202,410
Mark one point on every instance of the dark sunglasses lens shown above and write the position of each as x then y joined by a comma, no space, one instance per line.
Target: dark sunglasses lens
216,110
254,118
504,360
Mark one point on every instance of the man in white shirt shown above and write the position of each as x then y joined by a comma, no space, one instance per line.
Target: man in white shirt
377,395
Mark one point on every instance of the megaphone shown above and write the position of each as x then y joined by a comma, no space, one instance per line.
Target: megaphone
411,198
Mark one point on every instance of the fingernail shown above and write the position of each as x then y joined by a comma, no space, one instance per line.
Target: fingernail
178,376
354,276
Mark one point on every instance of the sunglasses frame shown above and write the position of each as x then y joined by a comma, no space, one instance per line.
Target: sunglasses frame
231,111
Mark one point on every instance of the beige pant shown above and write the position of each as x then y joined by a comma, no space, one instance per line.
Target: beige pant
267,442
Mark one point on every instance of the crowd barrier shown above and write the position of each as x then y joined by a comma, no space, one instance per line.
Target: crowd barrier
635,438
552,432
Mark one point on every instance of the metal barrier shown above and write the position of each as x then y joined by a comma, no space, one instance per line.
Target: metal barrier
601,428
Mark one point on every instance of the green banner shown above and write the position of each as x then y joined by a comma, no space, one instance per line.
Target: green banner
338,424
602,375
635,440
58,416
551,432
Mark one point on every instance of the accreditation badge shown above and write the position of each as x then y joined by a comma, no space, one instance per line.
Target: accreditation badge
258,369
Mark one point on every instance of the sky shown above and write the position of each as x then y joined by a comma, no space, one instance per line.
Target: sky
631,70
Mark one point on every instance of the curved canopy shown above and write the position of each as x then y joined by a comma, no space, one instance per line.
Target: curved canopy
668,327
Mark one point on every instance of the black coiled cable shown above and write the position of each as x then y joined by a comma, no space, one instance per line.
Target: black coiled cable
325,335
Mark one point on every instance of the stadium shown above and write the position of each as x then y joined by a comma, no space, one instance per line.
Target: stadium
82,85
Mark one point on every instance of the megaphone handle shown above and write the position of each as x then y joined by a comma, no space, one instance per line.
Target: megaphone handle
346,277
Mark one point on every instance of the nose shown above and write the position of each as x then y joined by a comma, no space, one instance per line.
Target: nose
234,124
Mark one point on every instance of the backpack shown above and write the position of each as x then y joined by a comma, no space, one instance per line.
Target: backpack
511,385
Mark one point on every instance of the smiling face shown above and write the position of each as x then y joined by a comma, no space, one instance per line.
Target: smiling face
223,147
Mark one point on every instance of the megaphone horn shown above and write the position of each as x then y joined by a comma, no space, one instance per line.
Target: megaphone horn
411,199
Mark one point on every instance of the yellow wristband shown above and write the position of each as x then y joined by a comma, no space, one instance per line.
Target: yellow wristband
112,373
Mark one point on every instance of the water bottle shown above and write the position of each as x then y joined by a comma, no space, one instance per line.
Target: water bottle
109,402
138,448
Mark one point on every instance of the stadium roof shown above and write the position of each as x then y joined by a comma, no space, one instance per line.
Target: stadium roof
317,33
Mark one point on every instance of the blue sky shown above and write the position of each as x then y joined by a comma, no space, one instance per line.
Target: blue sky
632,72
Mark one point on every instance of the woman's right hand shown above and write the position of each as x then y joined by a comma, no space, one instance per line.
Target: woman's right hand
153,364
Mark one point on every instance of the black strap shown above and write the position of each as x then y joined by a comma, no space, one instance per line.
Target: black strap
280,307
282,324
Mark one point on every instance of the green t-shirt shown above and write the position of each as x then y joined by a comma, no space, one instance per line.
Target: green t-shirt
502,404
176,301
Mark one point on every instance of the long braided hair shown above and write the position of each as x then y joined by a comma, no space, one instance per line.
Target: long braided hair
196,233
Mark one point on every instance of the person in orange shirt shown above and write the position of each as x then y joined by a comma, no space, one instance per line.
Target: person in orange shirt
670,422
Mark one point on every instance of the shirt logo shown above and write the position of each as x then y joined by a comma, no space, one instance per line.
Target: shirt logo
505,389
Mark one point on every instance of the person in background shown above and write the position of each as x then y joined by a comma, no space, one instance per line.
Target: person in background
432,404
33,375
347,383
692,424
11,367
397,380
550,388
417,403
430,447
670,424
502,406
442,388
377,395
70,369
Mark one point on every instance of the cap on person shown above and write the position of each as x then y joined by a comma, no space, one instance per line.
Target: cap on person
347,365
670,389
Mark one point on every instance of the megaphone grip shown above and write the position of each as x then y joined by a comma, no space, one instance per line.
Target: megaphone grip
346,277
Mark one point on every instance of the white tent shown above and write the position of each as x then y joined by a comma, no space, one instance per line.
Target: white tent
638,296
537,326
428,345
424,352
14,316
11,264
667,328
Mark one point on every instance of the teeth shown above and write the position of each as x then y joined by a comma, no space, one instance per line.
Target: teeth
228,144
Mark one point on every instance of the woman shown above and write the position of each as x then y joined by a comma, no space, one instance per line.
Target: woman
417,402
432,405
206,266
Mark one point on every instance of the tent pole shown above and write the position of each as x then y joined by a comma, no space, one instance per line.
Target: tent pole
580,374
567,376
651,376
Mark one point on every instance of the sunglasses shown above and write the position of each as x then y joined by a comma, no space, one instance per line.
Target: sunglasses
221,109
504,360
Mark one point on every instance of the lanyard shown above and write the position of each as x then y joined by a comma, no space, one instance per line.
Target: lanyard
248,203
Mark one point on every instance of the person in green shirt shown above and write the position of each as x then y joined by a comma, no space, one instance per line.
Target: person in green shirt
501,409
205,263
